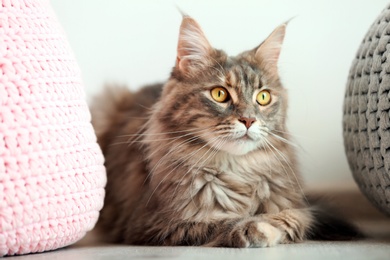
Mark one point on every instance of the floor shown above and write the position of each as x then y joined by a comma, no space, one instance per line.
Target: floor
352,204
368,249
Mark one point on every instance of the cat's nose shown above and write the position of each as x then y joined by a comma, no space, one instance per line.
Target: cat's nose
247,121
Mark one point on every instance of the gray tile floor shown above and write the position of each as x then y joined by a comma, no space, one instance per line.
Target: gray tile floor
367,249
355,207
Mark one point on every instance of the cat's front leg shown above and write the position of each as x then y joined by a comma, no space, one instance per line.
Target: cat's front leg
265,230
240,233
293,223
250,232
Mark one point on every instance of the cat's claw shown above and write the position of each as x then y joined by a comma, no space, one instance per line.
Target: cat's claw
256,234
270,235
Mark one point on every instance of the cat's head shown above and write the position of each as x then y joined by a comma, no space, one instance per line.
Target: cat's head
232,104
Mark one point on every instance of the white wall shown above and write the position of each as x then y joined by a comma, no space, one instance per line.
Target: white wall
134,42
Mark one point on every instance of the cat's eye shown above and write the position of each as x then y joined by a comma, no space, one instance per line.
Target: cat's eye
220,94
263,98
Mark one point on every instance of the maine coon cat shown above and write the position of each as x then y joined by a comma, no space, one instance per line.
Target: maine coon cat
204,159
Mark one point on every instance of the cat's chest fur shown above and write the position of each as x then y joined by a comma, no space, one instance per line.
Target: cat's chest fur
226,187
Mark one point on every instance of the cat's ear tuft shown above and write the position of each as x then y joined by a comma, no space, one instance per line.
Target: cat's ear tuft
193,50
267,54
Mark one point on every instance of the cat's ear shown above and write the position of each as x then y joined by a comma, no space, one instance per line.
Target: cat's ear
193,50
267,54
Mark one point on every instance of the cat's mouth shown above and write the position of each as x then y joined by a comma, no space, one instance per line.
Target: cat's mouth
246,137
240,145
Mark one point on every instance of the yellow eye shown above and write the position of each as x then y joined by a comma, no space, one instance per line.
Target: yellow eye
263,98
220,94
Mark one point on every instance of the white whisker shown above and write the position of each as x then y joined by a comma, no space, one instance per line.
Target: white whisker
161,160
166,133
268,144
284,140
168,174
291,169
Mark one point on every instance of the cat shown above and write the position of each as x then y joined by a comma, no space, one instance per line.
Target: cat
206,158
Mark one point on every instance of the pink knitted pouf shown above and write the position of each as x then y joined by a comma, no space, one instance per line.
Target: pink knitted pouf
51,169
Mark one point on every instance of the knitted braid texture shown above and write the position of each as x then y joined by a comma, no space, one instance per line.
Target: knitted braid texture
51,169
366,123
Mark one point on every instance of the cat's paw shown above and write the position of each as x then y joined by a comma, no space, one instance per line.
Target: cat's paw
255,234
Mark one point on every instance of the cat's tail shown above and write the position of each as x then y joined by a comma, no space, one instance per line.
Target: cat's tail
329,224
117,105
106,107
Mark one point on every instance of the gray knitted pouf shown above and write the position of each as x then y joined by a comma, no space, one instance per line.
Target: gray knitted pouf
366,122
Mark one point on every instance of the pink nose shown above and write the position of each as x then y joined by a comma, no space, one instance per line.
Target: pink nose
247,121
